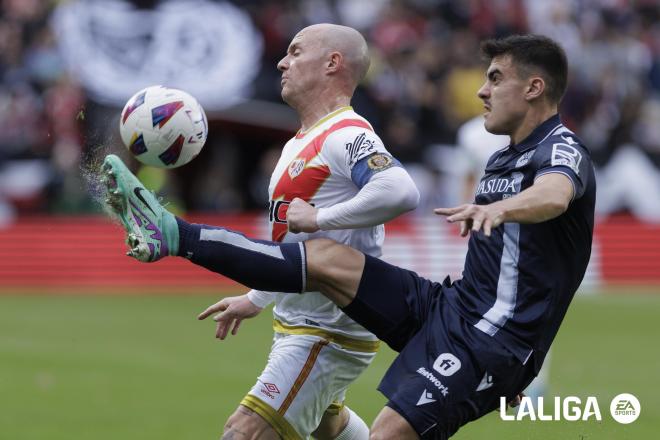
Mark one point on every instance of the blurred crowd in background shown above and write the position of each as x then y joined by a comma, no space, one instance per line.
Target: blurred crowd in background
57,115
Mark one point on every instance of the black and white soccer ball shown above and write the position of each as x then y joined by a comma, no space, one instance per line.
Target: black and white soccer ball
163,127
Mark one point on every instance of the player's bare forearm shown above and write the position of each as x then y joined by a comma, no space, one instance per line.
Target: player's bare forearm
548,198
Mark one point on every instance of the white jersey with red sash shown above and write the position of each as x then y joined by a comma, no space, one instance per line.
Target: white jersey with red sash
316,166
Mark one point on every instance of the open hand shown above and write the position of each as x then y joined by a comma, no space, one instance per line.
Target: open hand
233,310
474,217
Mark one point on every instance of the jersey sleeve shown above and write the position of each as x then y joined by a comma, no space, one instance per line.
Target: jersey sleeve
358,153
566,156
385,196
260,298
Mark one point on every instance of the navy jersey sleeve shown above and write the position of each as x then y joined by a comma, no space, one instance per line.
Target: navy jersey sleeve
565,155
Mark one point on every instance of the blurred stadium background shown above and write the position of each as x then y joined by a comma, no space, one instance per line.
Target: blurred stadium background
94,345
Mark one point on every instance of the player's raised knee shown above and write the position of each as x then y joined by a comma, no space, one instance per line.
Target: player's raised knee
333,269
320,250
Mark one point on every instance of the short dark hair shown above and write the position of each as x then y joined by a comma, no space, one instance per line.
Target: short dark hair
533,51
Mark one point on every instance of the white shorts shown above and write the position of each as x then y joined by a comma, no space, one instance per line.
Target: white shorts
306,375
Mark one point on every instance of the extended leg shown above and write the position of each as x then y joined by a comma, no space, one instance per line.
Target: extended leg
154,233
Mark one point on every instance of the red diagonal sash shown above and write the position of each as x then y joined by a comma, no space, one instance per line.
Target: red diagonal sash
305,184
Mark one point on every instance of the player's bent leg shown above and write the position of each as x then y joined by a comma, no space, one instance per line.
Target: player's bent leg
389,424
331,425
346,425
333,269
245,424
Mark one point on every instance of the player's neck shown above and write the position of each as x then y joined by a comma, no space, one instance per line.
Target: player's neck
313,110
534,118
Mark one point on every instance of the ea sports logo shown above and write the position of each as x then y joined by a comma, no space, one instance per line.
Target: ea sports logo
625,408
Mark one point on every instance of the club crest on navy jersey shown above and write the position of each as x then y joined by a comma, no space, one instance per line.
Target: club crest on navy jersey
525,158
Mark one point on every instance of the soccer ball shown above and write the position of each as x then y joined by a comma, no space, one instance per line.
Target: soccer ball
163,127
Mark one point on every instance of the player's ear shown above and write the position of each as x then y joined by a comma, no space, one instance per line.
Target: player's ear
535,87
334,62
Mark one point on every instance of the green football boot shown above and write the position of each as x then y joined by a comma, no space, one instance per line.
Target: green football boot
152,230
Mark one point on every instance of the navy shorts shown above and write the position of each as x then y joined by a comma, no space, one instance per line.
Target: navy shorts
448,372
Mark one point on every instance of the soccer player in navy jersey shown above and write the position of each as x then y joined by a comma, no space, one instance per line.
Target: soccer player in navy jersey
463,344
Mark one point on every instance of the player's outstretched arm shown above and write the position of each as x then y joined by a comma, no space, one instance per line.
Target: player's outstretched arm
548,198
232,311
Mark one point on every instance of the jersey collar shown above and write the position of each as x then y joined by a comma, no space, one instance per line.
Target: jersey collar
301,134
538,134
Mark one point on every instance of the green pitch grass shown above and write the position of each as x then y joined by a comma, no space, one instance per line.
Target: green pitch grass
124,367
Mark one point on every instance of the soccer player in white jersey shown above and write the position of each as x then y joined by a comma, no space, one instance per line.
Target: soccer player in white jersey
340,167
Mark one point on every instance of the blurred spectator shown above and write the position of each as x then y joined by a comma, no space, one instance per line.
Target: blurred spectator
40,142
420,89
630,179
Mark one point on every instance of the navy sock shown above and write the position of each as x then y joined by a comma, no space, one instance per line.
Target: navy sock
258,264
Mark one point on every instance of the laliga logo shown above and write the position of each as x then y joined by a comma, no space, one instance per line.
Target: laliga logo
569,408
624,408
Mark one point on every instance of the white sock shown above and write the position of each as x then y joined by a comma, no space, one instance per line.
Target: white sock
356,429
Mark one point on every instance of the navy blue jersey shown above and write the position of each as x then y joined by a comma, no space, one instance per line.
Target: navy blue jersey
517,283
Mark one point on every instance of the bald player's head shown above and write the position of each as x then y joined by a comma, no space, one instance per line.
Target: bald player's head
322,61
348,42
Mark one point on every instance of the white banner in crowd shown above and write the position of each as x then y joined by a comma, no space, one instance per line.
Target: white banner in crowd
209,49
